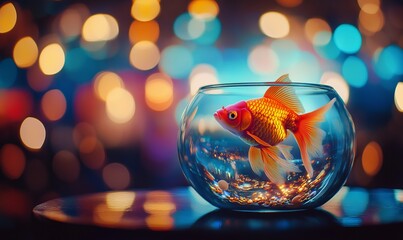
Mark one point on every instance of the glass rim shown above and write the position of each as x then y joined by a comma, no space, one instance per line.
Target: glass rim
267,84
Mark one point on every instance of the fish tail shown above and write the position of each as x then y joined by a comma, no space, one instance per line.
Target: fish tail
269,161
309,136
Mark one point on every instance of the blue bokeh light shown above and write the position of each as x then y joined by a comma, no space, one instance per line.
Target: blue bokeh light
328,51
176,61
8,73
211,32
355,71
207,54
347,38
288,53
76,59
389,62
306,69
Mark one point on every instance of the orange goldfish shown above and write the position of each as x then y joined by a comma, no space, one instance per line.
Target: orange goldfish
264,123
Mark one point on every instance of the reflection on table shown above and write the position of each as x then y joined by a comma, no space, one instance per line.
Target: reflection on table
351,212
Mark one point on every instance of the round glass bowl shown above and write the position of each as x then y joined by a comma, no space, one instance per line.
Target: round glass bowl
216,157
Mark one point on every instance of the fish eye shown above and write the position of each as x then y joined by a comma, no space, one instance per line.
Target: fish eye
232,115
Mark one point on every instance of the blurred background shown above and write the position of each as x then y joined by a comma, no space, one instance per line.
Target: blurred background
91,92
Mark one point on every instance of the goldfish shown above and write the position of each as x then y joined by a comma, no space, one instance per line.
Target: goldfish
264,123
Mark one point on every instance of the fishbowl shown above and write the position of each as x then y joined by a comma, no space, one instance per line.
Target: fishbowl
266,145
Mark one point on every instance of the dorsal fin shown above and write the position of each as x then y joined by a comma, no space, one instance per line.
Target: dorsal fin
285,95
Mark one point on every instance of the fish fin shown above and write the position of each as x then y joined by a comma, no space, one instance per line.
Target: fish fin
258,139
267,160
309,136
286,151
285,95
255,160
275,167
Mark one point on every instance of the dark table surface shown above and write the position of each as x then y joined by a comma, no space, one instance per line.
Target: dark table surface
353,213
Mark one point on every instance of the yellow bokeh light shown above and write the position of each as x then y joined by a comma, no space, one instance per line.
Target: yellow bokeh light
159,91
369,6
8,17
32,133
120,105
336,81
25,52
51,59
145,10
203,9
144,55
263,60
53,104
371,22
202,75
105,82
107,217
399,96
274,24
315,25
372,158
144,31
100,27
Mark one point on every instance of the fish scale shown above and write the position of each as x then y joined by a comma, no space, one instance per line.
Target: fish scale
271,120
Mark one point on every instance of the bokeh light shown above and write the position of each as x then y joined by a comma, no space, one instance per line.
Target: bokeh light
12,161
399,96
314,26
263,60
53,104
92,152
100,27
8,17
371,23
355,71
187,27
66,166
347,38
176,61
25,52
144,55
202,75
15,105
116,176
289,3
145,10
372,158
159,92
32,133
203,9
120,105
388,62
51,59
306,69
274,24
72,20
105,82
37,80
369,6
210,34
336,81
8,73
144,31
